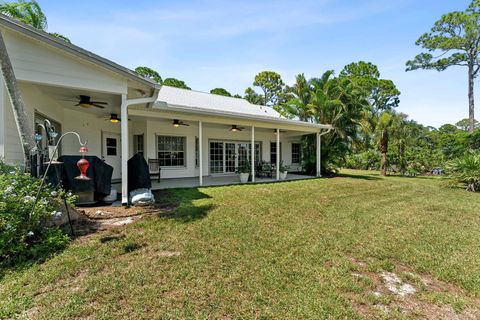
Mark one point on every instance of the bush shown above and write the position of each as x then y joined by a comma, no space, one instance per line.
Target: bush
365,160
466,171
23,235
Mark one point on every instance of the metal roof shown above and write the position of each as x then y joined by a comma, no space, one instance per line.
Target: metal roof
183,100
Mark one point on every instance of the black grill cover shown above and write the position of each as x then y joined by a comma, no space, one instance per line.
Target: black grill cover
99,172
138,173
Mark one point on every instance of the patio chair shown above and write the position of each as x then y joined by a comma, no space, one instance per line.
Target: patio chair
154,168
264,170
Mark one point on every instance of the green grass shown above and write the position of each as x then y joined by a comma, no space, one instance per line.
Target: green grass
260,251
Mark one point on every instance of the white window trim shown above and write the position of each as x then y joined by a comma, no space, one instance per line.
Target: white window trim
184,152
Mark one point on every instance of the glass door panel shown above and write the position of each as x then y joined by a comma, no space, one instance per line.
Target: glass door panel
243,154
230,158
216,157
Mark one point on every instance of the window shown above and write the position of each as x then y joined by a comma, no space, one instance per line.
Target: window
171,151
111,147
296,153
197,153
273,152
138,145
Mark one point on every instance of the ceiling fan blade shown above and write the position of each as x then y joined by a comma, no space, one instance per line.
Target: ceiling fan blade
185,124
97,105
98,102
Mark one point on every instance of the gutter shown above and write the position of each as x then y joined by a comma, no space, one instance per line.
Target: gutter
202,111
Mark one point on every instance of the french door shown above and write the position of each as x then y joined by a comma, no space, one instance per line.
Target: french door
226,157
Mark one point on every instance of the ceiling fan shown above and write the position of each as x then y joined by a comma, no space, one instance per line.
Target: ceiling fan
86,102
177,123
234,128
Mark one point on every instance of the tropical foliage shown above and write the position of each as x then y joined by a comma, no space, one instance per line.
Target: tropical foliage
466,170
23,233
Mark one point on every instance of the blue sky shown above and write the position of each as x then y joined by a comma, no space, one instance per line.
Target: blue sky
212,43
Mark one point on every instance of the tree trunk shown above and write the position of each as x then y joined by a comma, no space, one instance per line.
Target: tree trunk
19,112
383,151
471,99
383,164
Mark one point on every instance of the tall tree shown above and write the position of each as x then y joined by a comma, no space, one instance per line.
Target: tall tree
149,73
455,39
464,124
172,82
221,91
272,86
253,97
28,12
382,95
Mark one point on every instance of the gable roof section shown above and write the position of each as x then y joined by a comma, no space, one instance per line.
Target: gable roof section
182,100
73,49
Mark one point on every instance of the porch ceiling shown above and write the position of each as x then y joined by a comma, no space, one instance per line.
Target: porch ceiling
68,98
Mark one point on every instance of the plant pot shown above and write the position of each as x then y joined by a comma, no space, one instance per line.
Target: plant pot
283,175
244,177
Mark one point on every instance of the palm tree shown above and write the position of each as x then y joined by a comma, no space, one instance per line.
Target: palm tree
28,12
386,126
299,97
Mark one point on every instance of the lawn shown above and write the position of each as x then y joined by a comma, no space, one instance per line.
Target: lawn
304,249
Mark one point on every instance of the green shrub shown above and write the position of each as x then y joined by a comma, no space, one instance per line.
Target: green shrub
365,160
465,170
23,235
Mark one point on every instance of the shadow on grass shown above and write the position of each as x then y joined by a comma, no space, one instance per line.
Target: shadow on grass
358,176
179,204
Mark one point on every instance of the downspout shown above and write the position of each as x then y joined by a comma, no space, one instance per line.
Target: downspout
125,135
319,150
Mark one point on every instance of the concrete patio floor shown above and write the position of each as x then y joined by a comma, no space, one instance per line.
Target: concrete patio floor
216,181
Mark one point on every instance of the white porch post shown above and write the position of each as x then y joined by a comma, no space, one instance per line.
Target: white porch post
124,138
278,154
252,154
319,155
200,151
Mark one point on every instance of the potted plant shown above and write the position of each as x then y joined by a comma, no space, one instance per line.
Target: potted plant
244,172
283,171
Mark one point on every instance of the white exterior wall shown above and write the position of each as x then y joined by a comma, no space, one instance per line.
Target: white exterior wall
154,128
38,62
90,126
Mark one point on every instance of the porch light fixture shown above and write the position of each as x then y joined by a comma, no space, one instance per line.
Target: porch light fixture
177,123
114,118
235,128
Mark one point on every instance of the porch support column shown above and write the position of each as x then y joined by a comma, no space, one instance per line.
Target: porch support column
278,154
319,154
124,139
252,154
200,152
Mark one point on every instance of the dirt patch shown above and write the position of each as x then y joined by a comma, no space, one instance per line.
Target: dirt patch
403,293
100,218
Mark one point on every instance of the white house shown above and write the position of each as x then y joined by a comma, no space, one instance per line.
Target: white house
192,134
